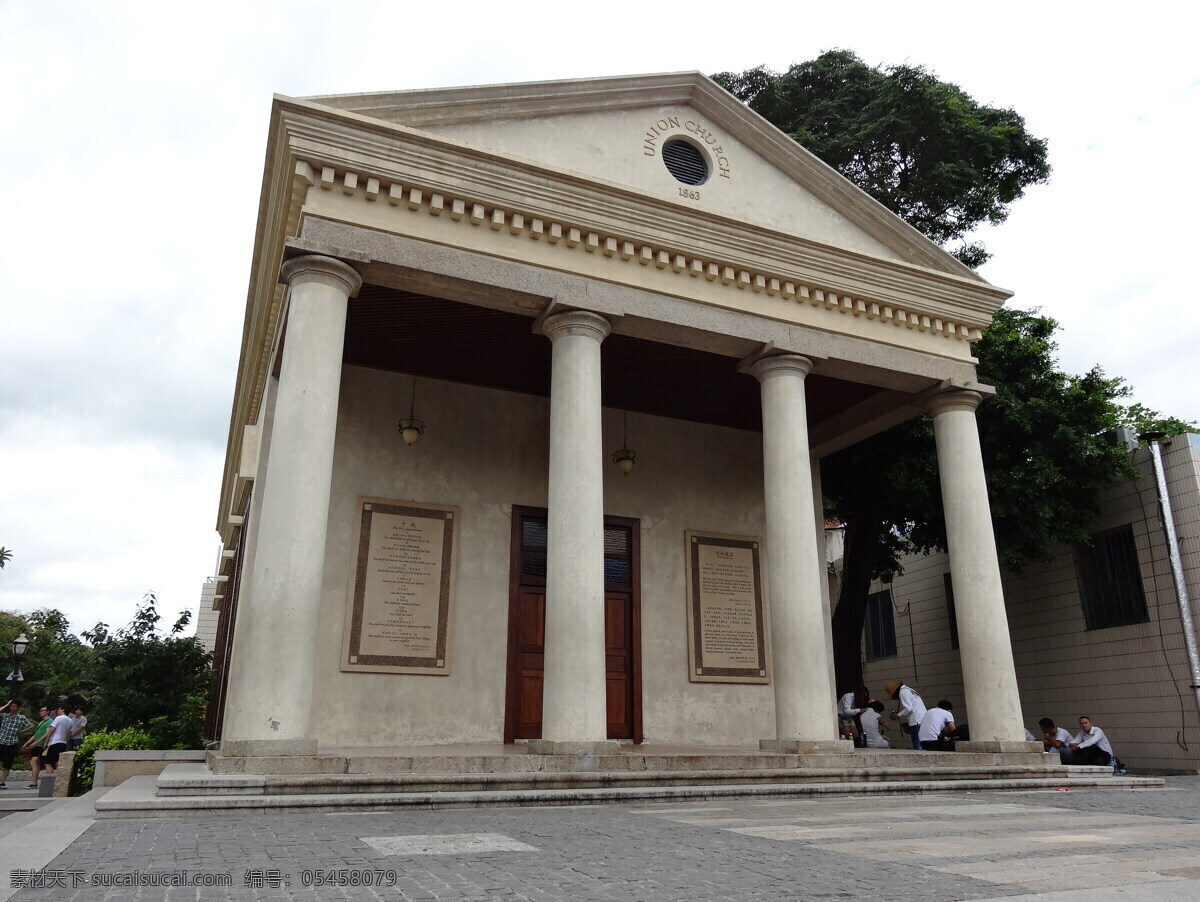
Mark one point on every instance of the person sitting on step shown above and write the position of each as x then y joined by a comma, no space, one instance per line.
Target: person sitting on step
1055,739
935,728
873,724
1091,746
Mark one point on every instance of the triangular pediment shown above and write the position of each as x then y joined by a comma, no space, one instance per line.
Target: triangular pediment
614,130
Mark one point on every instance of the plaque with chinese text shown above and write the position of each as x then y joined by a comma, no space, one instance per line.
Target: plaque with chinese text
728,640
402,588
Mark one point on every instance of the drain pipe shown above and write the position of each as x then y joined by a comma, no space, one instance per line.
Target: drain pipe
1168,521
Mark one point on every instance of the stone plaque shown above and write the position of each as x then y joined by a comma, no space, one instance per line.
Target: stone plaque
728,640
402,588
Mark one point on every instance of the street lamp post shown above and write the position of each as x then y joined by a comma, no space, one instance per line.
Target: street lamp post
15,679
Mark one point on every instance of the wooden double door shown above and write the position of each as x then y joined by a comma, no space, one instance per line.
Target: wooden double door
527,627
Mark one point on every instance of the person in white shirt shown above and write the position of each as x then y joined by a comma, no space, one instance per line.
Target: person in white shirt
935,725
850,707
1091,746
911,707
56,738
1055,739
873,725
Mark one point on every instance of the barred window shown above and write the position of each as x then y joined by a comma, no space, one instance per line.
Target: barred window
880,627
1110,581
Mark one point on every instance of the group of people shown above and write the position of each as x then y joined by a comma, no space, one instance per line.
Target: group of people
861,718
1090,746
51,736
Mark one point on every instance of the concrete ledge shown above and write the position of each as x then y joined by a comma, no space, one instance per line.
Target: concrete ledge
805,746
136,797
556,747
196,780
276,764
116,766
1003,746
841,757
262,748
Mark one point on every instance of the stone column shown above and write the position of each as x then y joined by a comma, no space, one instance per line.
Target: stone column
268,710
805,716
574,708
821,552
989,676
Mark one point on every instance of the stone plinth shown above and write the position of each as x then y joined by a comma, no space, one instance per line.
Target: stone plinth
805,746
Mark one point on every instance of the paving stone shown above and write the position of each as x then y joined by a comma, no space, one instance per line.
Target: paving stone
977,846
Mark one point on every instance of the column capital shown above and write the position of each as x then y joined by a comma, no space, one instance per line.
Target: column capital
773,364
324,270
576,322
953,399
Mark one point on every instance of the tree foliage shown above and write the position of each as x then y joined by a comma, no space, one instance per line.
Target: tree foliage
144,678
5,556
922,147
134,677
946,164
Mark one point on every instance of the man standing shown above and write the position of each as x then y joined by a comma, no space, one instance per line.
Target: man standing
78,722
32,749
12,721
911,707
56,738
1091,746
1055,739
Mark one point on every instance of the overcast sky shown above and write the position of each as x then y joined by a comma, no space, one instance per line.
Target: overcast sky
131,146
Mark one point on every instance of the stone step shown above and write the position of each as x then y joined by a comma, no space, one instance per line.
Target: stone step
622,762
187,780
136,797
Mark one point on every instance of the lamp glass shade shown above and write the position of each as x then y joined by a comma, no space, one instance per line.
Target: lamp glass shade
624,460
20,644
411,429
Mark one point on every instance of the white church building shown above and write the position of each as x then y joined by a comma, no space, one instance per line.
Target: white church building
534,387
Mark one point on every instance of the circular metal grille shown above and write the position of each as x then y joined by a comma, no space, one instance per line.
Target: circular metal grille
685,161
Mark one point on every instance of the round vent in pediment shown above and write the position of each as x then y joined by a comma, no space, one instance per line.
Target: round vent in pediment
684,160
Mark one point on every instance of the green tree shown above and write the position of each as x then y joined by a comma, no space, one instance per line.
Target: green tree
144,678
1142,419
946,164
5,556
56,663
922,147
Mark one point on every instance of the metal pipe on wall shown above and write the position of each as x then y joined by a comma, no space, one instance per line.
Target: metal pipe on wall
1168,520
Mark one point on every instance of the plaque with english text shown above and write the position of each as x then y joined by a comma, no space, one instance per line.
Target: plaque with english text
728,641
402,588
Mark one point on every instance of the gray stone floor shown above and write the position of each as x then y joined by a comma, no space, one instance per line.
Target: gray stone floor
1051,845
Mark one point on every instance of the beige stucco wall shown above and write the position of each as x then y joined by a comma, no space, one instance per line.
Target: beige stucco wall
484,451
1133,681
624,147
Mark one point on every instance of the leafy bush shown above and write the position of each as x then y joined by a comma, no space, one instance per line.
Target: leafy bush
84,771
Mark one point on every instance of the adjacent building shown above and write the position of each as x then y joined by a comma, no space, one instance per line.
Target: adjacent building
1096,632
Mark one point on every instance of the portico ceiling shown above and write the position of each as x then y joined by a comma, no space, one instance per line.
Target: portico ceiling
441,339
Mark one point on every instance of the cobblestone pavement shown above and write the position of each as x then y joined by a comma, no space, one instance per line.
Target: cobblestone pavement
932,847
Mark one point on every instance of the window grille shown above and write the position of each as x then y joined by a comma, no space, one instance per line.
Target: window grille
1110,581
880,627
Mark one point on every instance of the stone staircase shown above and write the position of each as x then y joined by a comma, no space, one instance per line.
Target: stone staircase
349,782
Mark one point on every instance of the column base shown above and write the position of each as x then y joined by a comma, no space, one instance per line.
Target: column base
999,745
557,747
805,746
267,748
